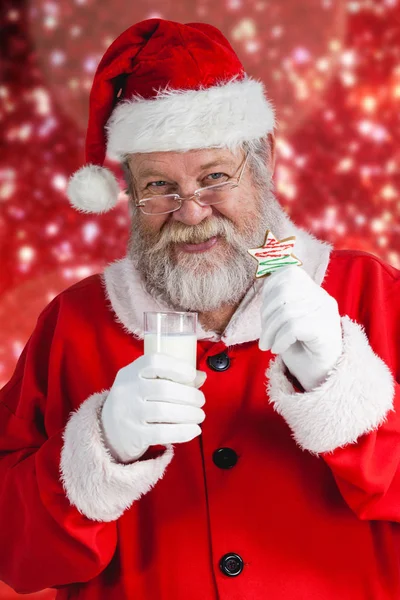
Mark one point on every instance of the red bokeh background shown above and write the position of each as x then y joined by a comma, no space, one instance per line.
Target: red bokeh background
332,68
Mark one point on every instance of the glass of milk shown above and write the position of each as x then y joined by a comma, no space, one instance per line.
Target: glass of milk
172,333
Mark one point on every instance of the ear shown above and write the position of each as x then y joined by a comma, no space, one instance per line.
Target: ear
272,145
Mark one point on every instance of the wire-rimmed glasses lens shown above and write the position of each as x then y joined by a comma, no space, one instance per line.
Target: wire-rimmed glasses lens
214,194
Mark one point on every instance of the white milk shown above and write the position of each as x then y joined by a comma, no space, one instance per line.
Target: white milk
182,346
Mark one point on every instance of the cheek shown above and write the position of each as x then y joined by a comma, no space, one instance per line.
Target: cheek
151,224
242,207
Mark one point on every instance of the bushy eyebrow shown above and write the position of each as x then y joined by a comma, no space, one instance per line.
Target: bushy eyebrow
154,173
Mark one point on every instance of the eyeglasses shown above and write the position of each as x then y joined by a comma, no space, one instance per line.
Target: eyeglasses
204,196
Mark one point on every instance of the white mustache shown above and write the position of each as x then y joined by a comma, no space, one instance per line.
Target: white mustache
177,233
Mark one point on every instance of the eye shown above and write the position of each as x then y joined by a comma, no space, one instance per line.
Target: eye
156,184
216,176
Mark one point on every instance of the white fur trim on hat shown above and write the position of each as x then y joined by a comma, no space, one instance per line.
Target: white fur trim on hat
98,486
93,189
353,400
177,120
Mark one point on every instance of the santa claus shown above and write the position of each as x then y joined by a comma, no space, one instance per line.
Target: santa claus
271,470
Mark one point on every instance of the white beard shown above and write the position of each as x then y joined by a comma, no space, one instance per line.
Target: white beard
207,281
198,284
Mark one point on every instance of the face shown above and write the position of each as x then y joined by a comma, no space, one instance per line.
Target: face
196,257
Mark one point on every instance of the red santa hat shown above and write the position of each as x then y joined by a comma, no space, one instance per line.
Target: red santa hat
165,86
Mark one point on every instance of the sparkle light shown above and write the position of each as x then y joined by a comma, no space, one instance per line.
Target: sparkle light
26,254
17,347
57,58
323,64
90,232
234,4
337,98
13,15
389,192
42,101
52,229
378,225
252,46
335,45
345,164
50,22
348,79
360,219
373,130
90,64
369,103
348,58
301,55
244,30
7,188
284,148
277,31
59,182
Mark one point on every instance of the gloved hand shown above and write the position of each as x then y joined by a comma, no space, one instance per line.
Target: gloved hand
141,410
301,322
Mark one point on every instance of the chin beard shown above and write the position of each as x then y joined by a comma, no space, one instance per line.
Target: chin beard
195,283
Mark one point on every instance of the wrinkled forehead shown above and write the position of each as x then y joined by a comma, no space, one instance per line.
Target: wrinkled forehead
190,162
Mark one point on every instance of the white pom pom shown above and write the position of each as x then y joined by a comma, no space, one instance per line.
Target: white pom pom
93,189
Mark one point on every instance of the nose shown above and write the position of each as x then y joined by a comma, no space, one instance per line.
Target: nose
191,213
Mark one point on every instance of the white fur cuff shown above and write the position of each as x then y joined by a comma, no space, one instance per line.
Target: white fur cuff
100,488
353,400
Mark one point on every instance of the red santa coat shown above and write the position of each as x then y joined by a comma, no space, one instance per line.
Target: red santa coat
310,503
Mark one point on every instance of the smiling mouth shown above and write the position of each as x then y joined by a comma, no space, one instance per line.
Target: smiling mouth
200,247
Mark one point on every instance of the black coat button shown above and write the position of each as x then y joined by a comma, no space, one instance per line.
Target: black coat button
219,362
231,564
225,458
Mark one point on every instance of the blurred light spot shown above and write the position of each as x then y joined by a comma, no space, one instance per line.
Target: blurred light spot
7,189
42,100
90,64
322,64
83,271
378,225
369,103
17,348
13,15
360,219
348,58
284,148
252,46
26,254
244,30
345,165
301,55
59,182
277,31
25,131
389,192
90,232
348,79
50,22
335,45
57,58
52,229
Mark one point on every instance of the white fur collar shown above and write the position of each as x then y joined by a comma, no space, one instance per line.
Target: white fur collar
129,299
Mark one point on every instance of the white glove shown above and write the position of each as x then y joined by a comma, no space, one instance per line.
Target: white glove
142,411
301,322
